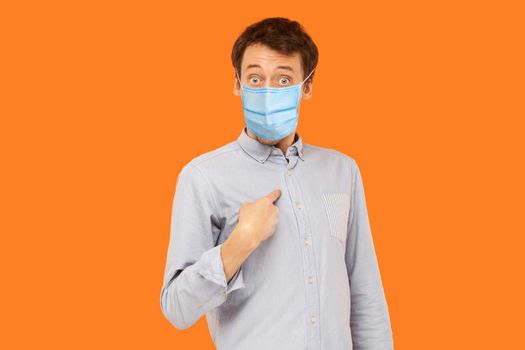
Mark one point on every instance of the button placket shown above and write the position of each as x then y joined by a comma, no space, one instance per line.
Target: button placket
313,319
308,258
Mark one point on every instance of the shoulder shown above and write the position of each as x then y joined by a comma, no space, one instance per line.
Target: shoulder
206,159
330,155
200,169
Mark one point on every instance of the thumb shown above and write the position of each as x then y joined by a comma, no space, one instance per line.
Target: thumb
274,195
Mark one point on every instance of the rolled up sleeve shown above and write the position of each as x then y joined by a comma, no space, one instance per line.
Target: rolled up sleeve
369,316
194,277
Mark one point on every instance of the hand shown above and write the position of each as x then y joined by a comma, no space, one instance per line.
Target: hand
258,220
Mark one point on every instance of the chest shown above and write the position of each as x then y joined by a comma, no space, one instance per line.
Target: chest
315,202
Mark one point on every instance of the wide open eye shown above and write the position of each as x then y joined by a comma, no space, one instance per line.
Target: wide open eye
284,81
254,80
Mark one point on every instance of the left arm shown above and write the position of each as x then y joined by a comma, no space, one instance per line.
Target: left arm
369,316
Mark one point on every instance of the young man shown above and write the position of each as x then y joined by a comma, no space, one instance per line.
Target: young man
270,236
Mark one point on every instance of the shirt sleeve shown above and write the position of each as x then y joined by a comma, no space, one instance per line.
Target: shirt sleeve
369,316
194,277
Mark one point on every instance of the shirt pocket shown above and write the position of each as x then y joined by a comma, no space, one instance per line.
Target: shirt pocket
337,207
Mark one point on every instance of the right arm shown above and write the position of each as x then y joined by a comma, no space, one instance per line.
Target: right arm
235,250
198,275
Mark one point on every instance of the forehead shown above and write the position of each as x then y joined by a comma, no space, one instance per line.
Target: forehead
269,59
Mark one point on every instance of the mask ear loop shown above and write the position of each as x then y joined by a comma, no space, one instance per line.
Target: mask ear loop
308,76
238,79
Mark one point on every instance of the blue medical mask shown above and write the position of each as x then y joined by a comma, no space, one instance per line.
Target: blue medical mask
270,112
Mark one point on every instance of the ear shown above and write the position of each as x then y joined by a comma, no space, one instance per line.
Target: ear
307,89
236,87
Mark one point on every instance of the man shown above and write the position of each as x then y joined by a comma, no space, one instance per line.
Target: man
270,236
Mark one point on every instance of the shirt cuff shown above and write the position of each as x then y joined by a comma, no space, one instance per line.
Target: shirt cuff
211,268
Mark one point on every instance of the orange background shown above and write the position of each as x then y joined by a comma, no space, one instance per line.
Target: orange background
103,102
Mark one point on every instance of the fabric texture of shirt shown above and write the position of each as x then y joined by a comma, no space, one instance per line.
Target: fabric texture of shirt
314,284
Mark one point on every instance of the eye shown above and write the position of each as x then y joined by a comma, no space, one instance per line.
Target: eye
254,80
284,81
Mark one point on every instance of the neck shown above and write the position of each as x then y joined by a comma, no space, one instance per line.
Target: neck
281,144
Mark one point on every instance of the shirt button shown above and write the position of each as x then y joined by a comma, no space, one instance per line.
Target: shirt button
312,319
299,205
275,151
306,242
311,279
289,172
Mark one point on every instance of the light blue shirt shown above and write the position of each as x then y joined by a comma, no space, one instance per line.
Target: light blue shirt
314,284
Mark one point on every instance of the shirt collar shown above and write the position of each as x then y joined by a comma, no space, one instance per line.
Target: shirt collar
261,152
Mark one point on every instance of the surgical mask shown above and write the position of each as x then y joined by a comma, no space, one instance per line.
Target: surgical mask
269,112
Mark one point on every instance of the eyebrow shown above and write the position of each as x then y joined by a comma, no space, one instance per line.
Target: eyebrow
279,67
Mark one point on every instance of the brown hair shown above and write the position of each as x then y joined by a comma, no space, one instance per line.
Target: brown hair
282,35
